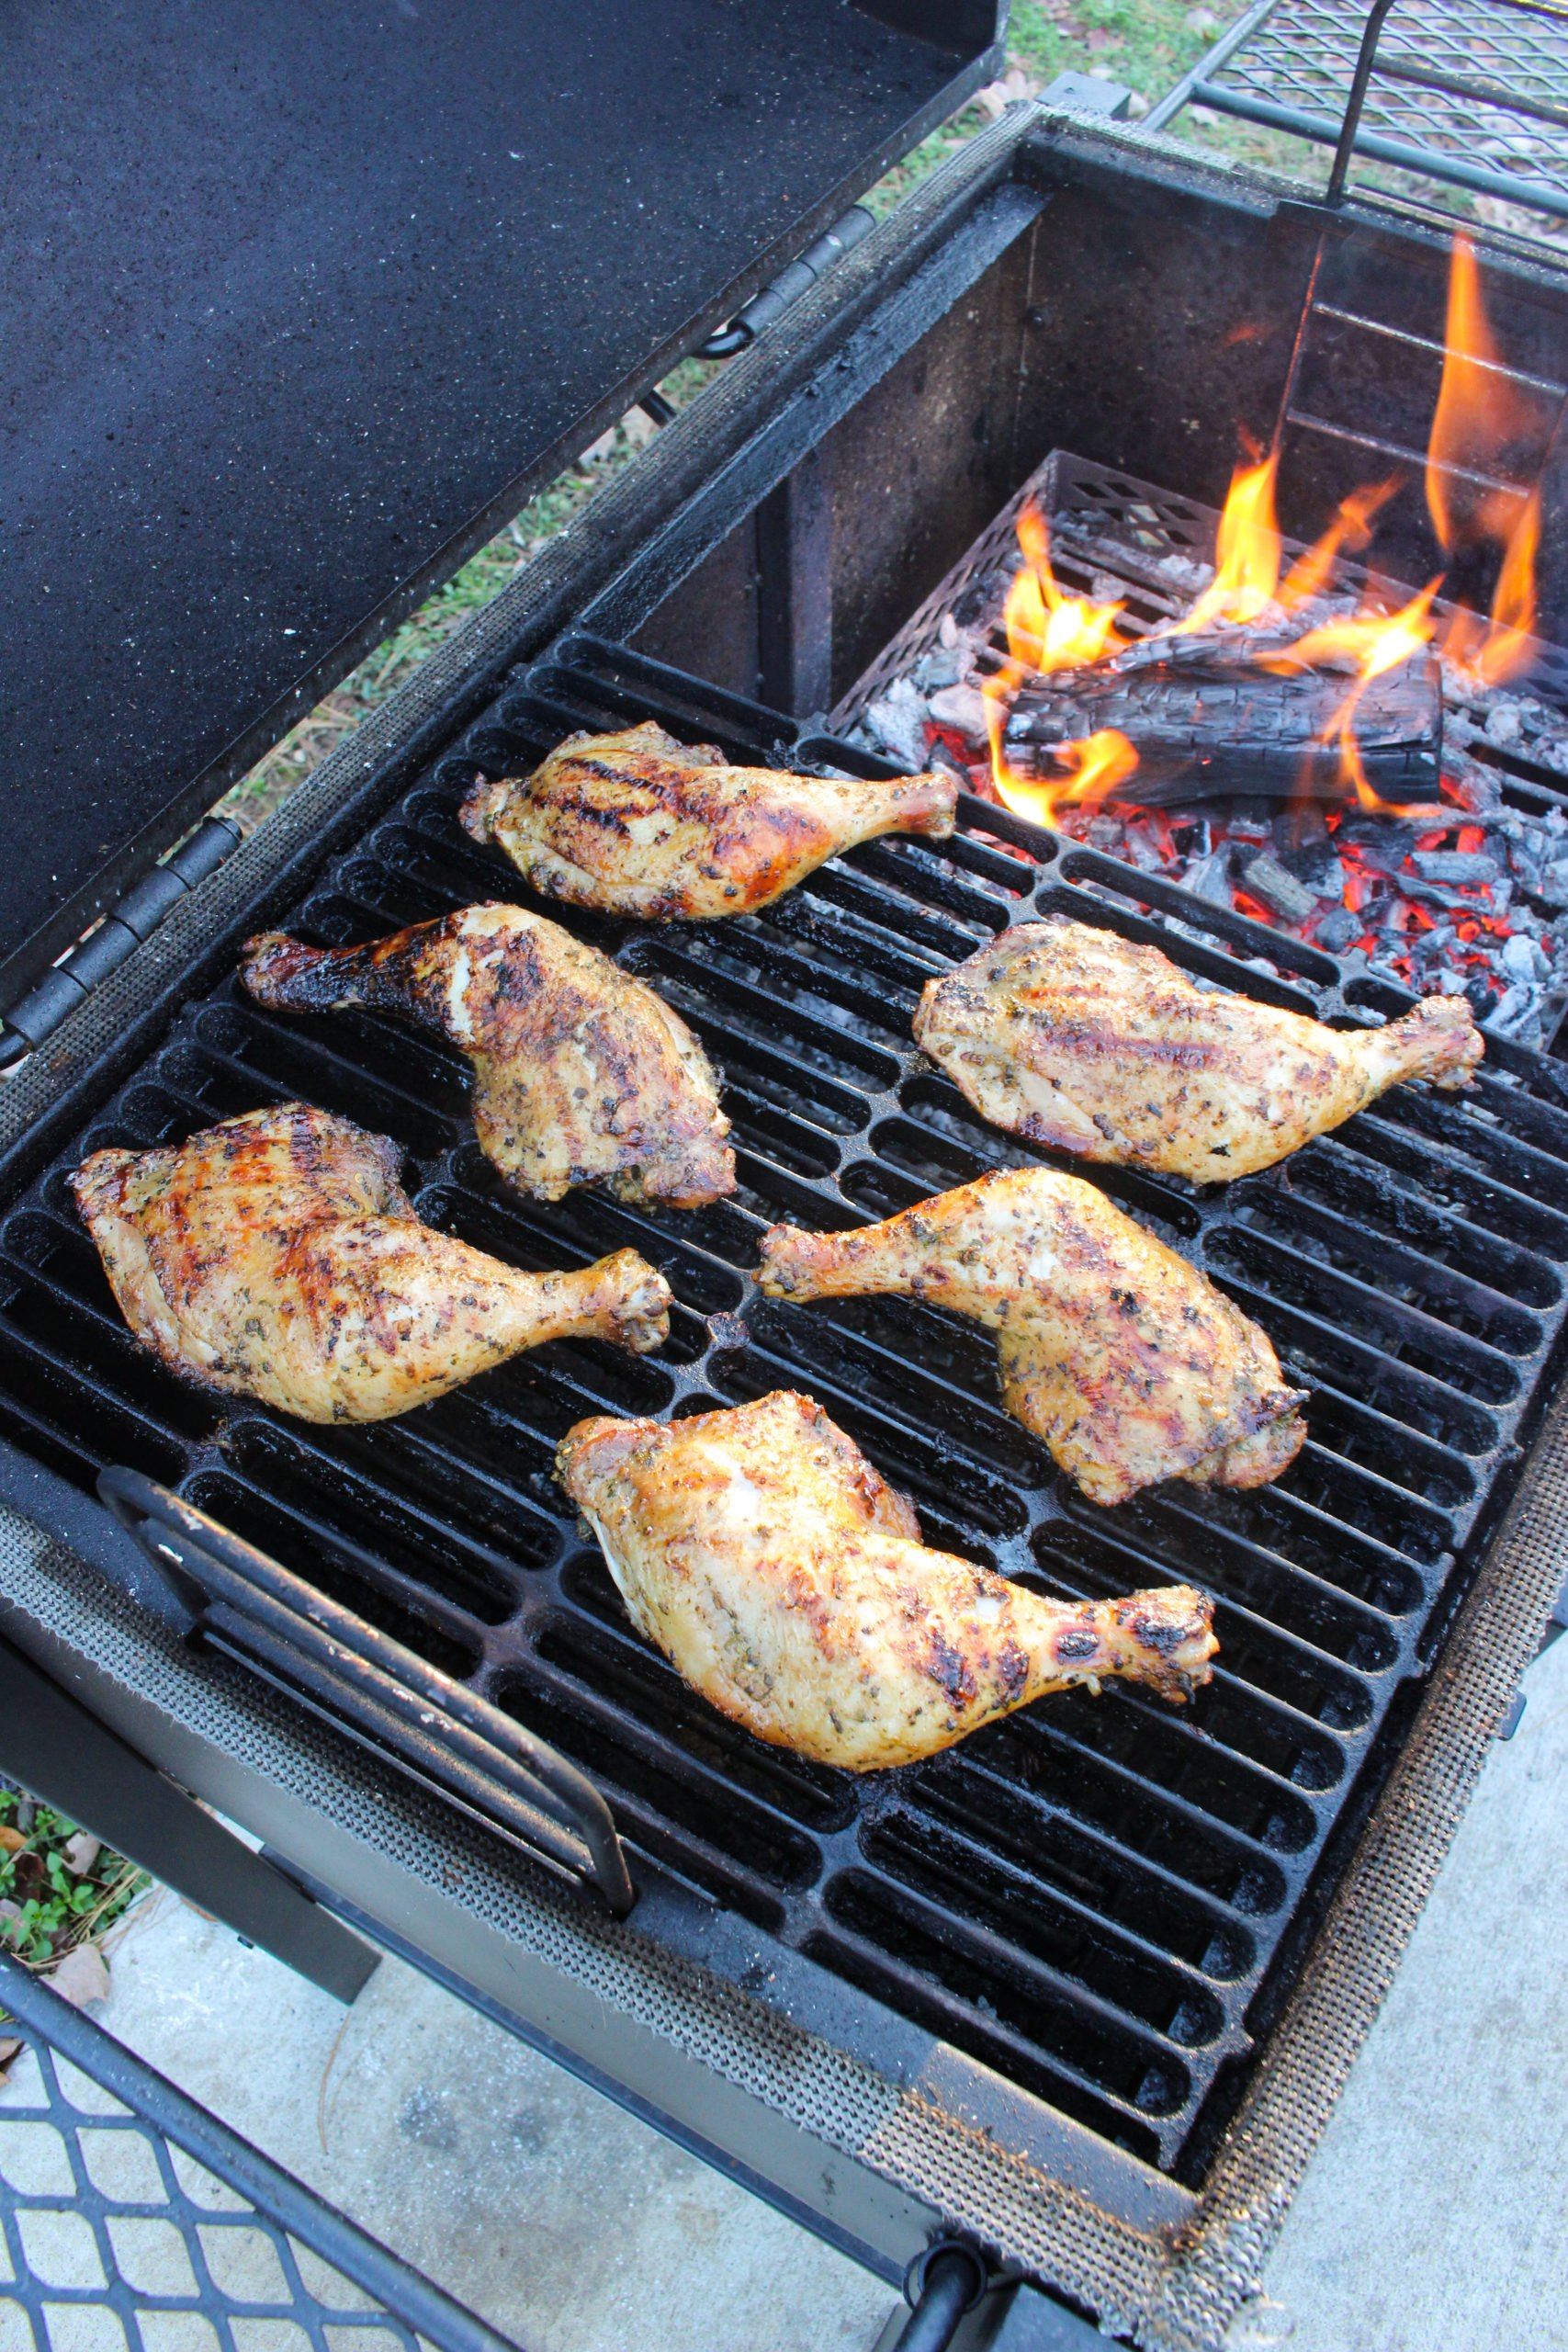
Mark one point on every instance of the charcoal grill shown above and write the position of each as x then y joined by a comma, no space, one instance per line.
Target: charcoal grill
1083,1988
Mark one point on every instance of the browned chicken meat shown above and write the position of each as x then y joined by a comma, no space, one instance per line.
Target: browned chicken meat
581,1074
276,1256
638,824
788,1584
1128,1364
1075,1039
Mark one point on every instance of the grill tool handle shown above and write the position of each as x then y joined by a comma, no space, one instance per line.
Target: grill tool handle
247,1604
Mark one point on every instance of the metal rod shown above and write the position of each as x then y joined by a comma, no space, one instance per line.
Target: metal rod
1323,131
947,2282
1224,49
1546,384
1476,88
1377,15
398,2288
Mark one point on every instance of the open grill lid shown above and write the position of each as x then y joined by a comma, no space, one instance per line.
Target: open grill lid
302,304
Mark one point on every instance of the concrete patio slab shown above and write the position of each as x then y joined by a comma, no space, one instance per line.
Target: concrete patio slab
567,2222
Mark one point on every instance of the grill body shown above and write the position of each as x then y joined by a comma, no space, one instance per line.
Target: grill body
1075,1932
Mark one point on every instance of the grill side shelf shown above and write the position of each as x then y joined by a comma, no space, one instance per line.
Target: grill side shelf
241,1602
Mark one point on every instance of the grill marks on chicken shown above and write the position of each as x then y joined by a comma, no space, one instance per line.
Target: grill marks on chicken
787,1583
1077,1039
1120,1356
278,1257
635,823
581,1074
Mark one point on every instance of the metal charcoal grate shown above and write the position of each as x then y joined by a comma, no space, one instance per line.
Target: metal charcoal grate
1098,1898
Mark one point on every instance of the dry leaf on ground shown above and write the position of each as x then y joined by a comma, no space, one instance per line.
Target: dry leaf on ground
81,1977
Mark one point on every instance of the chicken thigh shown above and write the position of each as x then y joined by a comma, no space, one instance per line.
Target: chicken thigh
638,824
276,1256
580,1072
1075,1038
1120,1356
789,1586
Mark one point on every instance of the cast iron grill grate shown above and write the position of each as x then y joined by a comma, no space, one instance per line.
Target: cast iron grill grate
1098,1898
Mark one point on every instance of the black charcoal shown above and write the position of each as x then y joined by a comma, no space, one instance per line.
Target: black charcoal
1204,719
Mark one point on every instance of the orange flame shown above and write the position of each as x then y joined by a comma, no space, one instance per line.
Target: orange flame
1481,413
1045,629
1481,418
1349,532
1246,553
1092,768
1377,642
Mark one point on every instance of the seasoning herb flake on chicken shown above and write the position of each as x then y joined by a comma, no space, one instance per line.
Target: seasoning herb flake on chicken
1080,1039
788,1585
635,824
276,1256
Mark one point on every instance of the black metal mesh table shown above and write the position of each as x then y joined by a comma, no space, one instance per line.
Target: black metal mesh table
133,2221
1471,94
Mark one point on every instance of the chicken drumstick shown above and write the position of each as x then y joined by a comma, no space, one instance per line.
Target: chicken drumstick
788,1584
1076,1039
1119,1354
277,1256
638,824
581,1073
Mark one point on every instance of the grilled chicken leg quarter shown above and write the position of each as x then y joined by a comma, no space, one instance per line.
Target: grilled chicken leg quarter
638,824
1119,1354
788,1584
276,1256
1075,1038
582,1072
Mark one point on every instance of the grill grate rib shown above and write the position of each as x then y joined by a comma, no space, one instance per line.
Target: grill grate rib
1091,1897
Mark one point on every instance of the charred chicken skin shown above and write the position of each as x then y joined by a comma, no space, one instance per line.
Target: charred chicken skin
581,1074
788,1584
1116,1352
638,824
278,1257
1075,1038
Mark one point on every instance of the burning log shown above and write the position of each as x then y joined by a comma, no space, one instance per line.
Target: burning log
1208,721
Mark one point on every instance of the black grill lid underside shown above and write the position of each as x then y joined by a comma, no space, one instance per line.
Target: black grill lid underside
1100,1898
297,299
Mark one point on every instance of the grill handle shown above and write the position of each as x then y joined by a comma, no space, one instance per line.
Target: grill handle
242,1601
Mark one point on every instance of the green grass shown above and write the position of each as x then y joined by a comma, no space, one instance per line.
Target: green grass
50,1905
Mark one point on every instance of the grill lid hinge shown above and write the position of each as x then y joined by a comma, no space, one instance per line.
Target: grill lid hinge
131,920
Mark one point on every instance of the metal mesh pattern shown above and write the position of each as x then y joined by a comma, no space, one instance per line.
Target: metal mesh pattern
1111,532
1090,1898
1504,106
111,2240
